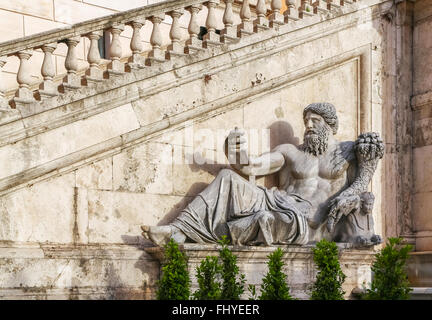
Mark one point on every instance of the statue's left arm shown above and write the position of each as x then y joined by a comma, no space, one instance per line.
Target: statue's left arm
368,149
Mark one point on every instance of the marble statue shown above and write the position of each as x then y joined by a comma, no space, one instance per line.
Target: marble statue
322,191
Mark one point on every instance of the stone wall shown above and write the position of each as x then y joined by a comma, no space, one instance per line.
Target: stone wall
77,181
422,121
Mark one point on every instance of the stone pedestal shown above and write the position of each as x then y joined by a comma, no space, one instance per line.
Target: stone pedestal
299,265
419,269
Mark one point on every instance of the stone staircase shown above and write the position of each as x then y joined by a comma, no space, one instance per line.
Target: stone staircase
77,83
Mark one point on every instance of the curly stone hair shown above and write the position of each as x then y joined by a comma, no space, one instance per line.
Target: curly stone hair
325,110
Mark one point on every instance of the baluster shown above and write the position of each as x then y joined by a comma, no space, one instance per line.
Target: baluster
71,80
116,67
24,95
261,22
334,4
211,38
320,6
246,27
291,13
94,73
306,10
47,88
175,48
229,33
136,61
156,55
4,105
193,44
276,18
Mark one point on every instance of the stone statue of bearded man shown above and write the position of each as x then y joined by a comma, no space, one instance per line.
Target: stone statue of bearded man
320,182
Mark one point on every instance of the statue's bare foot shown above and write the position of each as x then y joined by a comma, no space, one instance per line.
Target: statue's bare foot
160,235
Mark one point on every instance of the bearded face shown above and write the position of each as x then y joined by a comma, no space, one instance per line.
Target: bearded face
316,134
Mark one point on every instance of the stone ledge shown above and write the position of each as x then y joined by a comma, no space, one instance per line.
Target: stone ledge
67,271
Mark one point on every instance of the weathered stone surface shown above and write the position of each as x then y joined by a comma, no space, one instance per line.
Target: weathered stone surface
42,212
115,217
98,175
37,150
145,168
79,272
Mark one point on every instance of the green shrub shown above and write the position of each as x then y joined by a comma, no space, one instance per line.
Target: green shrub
328,284
232,281
209,285
274,286
390,281
175,282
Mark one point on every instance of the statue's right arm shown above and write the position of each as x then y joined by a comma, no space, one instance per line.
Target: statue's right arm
265,164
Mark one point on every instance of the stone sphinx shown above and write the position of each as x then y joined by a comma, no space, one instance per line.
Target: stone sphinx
321,193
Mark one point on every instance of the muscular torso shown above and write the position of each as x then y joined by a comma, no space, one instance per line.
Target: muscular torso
316,178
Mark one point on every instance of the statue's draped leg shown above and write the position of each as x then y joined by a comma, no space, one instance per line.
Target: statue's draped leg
247,213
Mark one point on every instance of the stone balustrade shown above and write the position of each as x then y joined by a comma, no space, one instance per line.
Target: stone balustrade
264,16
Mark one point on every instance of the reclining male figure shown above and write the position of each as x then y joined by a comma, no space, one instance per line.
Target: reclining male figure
316,178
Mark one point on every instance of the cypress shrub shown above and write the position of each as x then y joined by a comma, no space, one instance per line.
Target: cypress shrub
208,274
274,285
175,282
232,281
329,280
390,281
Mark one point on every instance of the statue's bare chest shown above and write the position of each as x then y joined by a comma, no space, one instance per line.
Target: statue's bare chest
330,166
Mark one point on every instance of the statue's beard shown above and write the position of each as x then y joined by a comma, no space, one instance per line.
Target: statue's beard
316,142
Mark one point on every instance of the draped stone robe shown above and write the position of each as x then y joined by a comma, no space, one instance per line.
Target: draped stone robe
248,214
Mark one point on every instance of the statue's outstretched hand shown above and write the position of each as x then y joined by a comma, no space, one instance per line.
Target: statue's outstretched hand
238,147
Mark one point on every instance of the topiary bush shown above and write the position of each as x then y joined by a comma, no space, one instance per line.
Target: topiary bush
233,282
390,281
329,280
274,286
208,277
175,281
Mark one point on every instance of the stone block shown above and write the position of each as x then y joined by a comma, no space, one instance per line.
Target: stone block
39,149
72,12
98,175
422,169
34,25
193,171
422,214
42,212
118,6
157,107
77,272
41,8
144,168
116,217
11,24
